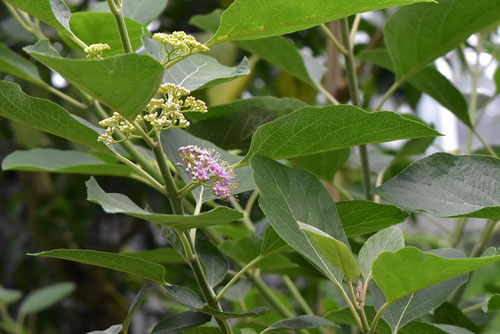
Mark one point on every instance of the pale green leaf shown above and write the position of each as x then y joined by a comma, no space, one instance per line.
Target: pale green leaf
289,196
311,130
232,125
200,71
362,217
115,329
271,18
45,297
390,239
125,83
175,138
335,251
415,36
429,81
119,262
447,185
119,203
45,115
143,11
58,161
401,273
300,322
16,65
9,296
95,27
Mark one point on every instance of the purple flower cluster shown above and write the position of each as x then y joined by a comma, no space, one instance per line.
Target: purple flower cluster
203,165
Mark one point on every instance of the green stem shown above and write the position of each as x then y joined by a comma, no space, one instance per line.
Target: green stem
122,28
355,26
375,320
246,219
388,94
478,249
250,203
187,189
485,144
237,277
342,191
355,97
458,232
65,97
329,96
297,295
270,296
472,307
342,49
207,292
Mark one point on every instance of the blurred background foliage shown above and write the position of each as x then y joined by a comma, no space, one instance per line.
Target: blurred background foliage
41,211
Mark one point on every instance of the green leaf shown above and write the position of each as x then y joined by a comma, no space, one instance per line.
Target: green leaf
232,125
119,203
289,196
492,304
496,78
363,217
58,161
139,299
271,18
16,65
180,321
417,35
125,83
175,138
389,239
95,27
9,296
118,262
330,128
53,12
337,252
115,329
184,296
216,265
159,255
45,115
203,330
325,164
300,322
450,314
396,272
272,242
45,297
447,185
255,312
422,302
143,11
428,80
200,71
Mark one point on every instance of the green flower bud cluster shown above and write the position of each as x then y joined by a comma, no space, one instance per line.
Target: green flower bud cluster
178,44
112,123
168,112
95,51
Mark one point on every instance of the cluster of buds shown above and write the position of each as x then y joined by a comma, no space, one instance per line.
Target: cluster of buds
168,112
112,123
203,165
95,51
178,44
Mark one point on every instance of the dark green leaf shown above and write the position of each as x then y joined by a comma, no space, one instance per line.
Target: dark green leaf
14,64
119,203
289,196
180,321
118,262
447,185
184,296
57,161
125,83
45,115
496,78
390,239
232,125
363,217
9,296
216,265
139,299
45,297
231,315
175,138
272,242
429,81
395,272
492,304
451,315
325,164
417,35
271,18
94,27
335,251
300,322
143,11
159,255
200,71
330,128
